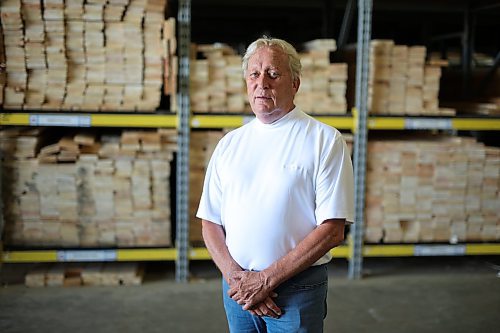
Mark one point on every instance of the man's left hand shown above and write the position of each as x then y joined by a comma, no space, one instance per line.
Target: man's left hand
250,289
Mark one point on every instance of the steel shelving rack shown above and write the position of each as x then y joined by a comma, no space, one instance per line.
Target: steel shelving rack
160,119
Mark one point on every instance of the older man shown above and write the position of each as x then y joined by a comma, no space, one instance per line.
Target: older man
277,195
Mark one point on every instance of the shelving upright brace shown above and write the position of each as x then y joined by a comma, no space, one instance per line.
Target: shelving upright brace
184,112
360,138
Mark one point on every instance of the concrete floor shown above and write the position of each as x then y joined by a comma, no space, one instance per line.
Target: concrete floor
396,295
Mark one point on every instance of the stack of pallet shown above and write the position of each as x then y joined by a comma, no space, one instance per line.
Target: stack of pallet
323,84
432,190
86,55
81,190
202,145
401,83
92,274
217,83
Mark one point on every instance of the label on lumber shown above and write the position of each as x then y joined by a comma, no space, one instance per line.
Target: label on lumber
86,255
60,120
427,123
439,250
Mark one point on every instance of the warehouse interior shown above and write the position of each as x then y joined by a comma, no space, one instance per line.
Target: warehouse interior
111,109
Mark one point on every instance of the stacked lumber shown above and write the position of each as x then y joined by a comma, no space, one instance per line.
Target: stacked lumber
92,274
202,145
88,190
432,189
2,67
87,55
171,62
13,38
400,81
216,80
490,107
323,84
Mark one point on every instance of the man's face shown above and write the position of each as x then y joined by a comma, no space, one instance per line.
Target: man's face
270,87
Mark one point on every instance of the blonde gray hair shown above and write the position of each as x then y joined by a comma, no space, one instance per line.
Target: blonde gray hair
293,57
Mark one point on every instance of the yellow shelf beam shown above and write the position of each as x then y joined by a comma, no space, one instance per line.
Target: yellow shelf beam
219,121
339,122
477,124
455,123
388,250
91,255
28,256
164,254
199,253
482,249
134,120
89,120
387,123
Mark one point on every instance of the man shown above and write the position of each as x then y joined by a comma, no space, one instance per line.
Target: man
277,195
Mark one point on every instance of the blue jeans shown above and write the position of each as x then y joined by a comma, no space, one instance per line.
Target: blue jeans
302,300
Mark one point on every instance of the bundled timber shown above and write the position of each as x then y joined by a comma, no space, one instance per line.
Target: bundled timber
432,189
92,274
2,66
401,82
202,145
85,190
216,80
323,84
87,55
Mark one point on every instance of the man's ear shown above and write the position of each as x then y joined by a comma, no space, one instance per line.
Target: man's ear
296,84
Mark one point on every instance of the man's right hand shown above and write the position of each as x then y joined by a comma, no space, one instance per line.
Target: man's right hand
267,308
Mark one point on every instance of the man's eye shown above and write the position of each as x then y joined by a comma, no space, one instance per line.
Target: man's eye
273,75
253,75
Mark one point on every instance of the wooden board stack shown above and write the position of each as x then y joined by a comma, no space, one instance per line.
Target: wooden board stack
323,84
13,36
2,66
401,83
82,190
92,274
90,55
434,189
202,145
217,83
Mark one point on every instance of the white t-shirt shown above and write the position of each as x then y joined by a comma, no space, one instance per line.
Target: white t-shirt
270,185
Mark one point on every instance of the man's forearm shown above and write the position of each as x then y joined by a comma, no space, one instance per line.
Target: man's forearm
325,237
215,240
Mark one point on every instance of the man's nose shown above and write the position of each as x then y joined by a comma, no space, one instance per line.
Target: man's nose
263,82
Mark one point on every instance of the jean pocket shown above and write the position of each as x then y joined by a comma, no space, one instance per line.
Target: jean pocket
307,286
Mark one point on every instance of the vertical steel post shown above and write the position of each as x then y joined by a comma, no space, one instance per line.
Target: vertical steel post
183,128
360,138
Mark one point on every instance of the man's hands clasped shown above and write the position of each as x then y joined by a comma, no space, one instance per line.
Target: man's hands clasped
252,292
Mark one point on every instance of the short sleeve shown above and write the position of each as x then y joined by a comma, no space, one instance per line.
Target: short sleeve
335,183
210,202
